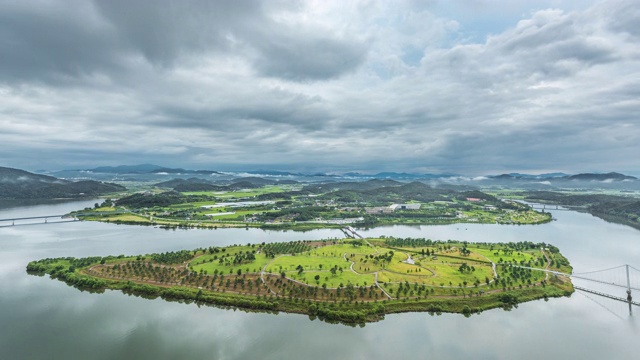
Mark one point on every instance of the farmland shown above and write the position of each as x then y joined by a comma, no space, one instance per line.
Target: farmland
301,207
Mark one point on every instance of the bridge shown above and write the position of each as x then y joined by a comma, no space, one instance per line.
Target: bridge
55,219
557,207
625,276
351,232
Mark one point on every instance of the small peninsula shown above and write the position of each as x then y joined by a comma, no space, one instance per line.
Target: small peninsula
352,281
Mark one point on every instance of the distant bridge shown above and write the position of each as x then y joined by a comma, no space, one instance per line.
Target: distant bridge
351,232
557,207
55,219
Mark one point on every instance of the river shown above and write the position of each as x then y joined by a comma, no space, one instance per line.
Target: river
42,318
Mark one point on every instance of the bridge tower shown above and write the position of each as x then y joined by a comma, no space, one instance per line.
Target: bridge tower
629,298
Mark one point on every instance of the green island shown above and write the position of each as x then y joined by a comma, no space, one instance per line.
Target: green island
352,281
302,207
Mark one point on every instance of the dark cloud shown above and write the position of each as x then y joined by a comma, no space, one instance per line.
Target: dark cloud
309,58
316,85
164,30
46,41
60,39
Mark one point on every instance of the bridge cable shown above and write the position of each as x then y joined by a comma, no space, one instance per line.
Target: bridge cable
596,271
584,293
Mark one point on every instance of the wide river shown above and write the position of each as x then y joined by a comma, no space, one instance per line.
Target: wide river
42,318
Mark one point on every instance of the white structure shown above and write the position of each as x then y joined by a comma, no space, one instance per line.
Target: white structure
238,204
395,207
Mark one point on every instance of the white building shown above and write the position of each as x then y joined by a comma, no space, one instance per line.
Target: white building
395,207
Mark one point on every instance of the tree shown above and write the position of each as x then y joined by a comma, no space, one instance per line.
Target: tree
317,277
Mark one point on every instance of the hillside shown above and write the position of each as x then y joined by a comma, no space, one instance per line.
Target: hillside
618,209
612,176
20,184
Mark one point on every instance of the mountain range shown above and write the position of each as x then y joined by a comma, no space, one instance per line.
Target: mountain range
20,184
156,169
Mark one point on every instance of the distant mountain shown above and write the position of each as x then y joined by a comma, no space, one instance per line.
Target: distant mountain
511,176
552,175
350,185
147,169
20,184
256,181
398,176
273,173
199,186
17,176
612,176
176,182
394,175
126,169
183,171
503,177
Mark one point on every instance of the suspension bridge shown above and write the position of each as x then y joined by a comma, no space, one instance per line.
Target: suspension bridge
606,282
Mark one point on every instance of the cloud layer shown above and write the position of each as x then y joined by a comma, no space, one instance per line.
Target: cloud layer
319,86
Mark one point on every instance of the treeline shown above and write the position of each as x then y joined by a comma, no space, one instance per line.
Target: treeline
167,198
33,190
415,191
619,209
181,293
573,199
410,242
344,315
68,274
507,248
492,200
272,249
303,213
173,257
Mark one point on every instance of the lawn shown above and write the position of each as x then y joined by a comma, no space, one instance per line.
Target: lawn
291,262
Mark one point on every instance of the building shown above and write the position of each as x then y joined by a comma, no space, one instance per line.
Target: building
405,206
379,210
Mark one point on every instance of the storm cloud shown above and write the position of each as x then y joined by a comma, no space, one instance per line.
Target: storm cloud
320,86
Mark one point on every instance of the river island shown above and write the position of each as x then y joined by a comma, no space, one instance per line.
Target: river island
353,280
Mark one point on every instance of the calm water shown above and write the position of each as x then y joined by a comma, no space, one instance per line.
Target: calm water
45,319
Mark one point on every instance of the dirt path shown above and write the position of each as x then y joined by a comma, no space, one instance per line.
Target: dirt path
546,276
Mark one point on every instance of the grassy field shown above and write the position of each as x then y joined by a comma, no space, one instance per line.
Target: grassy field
500,255
209,264
334,281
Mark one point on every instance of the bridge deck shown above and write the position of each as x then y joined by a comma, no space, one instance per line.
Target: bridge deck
607,295
34,217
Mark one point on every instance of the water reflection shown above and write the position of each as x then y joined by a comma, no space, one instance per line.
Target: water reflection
46,319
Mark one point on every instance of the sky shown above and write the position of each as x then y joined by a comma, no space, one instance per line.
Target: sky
467,87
